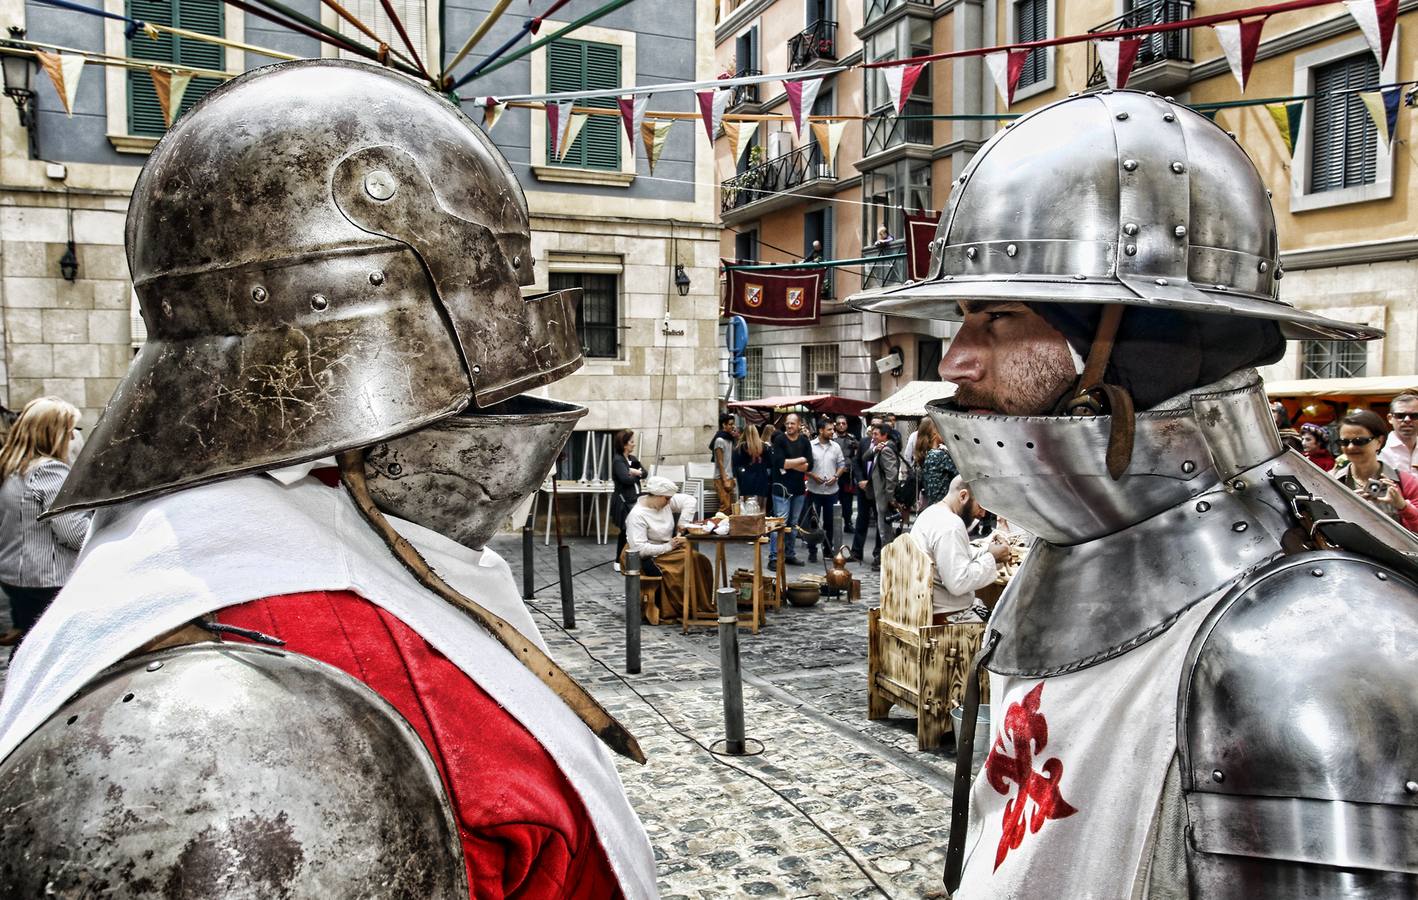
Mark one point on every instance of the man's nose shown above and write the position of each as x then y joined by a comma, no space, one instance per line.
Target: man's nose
962,360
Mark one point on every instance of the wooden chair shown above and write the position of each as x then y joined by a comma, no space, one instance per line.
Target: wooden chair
911,662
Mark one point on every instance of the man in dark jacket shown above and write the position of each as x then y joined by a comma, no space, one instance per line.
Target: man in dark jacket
792,457
883,467
847,487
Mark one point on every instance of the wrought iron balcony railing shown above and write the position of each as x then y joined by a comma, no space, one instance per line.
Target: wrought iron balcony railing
887,271
884,131
776,176
818,41
1165,45
744,93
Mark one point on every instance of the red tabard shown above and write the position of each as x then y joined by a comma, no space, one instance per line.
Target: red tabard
525,832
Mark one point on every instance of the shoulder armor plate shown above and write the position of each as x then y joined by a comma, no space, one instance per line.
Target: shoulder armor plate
1298,704
222,770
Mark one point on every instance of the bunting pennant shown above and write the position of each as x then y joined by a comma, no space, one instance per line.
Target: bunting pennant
801,96
1383,109
1287,118
1005,67
920,231
1239,41
711,106
632,115
573,130
899,81
1375,19
780,297
170,87
64,70
740,135
654,134
829,136
492,111
558,120
1117,58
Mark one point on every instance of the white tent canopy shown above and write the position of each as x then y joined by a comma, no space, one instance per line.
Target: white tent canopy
910,401
1385,386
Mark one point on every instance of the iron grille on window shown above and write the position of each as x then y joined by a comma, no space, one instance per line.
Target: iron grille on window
1333,359
1344,145
820,369
597,316
202,16
752,386
1031,23
586,66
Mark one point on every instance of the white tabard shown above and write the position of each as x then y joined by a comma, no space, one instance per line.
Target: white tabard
1065,802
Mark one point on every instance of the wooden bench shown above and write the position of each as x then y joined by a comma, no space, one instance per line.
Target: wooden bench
911,662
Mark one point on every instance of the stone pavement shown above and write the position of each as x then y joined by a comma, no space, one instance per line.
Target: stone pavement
834,806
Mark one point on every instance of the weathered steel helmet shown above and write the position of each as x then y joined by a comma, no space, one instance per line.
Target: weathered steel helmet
1111,197
221,770
326,255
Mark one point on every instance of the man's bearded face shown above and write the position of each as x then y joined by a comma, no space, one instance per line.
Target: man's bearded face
1007,359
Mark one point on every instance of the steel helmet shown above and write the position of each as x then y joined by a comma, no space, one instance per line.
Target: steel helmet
326,255
1111,197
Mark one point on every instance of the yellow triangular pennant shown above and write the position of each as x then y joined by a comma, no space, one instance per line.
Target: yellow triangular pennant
64,70
654,134
820,134
1374,102
170,88
740,137
573,129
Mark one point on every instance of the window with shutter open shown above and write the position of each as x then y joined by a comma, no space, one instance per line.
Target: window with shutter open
585,66
203,16
1344,142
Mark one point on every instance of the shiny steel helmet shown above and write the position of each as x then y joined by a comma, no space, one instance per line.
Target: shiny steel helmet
1111,197
220,770
326,255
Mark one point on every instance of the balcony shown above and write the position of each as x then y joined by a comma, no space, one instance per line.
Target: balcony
1164,60
775,184
884,131
744,94
888,271
817,43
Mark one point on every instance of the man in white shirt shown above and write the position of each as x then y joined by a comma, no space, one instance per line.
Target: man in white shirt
828,467
1398,449
961,569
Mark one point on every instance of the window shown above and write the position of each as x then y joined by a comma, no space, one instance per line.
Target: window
1333,359
928,359
883,129
587,456
888,192
746,51
1031,23
371,12
817,226
583,66
751,387
820,369
746,246
1344,149
202,16
598,315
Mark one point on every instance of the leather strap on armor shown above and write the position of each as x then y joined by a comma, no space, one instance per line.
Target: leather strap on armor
1093,397
1327,530
964,758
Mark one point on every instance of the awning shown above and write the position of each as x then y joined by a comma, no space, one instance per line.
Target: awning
910,401
827,404
1386,386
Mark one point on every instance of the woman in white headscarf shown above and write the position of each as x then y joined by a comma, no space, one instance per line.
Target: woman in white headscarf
652,529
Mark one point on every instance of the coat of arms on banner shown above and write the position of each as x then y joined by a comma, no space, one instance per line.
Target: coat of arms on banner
753,294
795,298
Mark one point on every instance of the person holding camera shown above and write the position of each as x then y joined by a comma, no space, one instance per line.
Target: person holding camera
1362,434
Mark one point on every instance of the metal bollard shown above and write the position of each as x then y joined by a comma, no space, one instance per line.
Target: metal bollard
729,672
568,592
527,573
632,613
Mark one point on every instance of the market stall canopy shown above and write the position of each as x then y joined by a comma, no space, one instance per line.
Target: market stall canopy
1385,386
910,402
826,404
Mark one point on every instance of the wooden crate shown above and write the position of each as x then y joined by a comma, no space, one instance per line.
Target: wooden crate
745,526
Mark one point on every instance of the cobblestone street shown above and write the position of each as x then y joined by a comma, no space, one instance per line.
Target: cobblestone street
834,806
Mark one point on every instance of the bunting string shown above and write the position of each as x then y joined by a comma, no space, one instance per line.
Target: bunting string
591,16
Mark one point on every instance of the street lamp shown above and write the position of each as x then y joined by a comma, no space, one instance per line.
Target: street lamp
681,280
16,71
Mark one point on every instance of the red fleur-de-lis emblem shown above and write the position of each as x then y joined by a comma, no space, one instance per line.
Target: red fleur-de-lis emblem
1038,799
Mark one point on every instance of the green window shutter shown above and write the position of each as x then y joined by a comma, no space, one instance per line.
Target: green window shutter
203,16
578,66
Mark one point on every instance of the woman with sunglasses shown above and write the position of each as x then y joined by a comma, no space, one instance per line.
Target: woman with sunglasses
1361,436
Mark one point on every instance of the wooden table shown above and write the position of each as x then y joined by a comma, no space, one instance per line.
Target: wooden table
721,573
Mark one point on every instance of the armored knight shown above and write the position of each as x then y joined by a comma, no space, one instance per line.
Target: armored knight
286,665
1204,679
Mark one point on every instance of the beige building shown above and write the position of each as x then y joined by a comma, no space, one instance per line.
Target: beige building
1345,200
599,220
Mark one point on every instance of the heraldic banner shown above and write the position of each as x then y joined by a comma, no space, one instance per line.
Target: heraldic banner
920,231
777,297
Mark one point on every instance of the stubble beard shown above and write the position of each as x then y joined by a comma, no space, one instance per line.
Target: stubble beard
1031,384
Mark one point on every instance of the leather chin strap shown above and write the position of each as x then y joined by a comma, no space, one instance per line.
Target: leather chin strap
601,722
1092,397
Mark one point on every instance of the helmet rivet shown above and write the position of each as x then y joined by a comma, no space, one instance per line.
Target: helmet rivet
166,308
376,278
1221,287
379,185
1129,165
1072,94
1279,273
971,252
1169,118
1268,194
1162,282
155,665
1239,484
1202,506
1411,787
396,469
259,294
1080,277
319,301
1180,231
516,262
1011,250
1130,249
1231,135
1178,168
1218,776
477,370
1169,99
1152,93
1264,266
962,179
1318,573
1239,527
1383,576
1122,117
1188,467
1130,228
